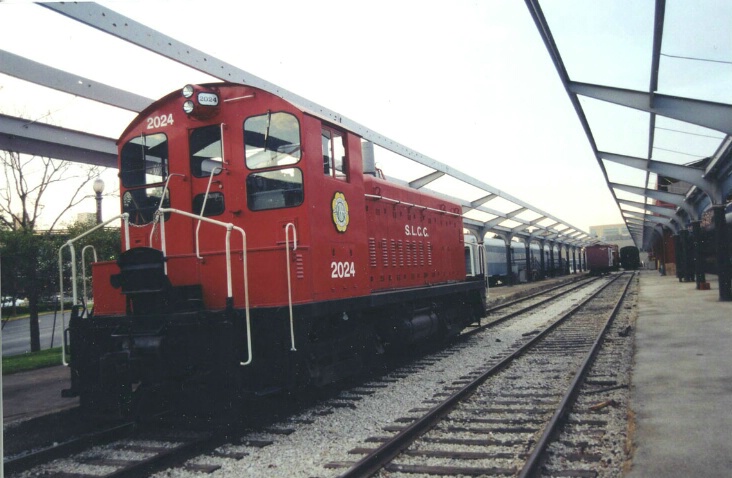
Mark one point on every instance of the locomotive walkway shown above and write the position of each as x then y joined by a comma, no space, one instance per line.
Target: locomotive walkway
681,390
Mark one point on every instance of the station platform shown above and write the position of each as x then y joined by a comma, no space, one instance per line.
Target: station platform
681,390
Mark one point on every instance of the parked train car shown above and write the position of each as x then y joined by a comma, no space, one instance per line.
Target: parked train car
629,258
495,257
496,268
474,257
262,255
601,259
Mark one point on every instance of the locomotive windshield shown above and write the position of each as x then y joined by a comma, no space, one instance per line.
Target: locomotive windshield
142,203
205,148
144,160
271,139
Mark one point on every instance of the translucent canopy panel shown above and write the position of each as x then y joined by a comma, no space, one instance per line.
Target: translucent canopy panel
617,173
528,215
696,56
633,209
620,194
510,223
502,205
479,216
547,222
681,143
606,43
617,129
455,188
398,167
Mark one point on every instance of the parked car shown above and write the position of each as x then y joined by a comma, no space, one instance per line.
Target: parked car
9,302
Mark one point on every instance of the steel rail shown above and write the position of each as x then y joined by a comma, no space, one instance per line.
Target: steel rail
168,458
387,451
45,455
161,460
537,304
560,415
480,328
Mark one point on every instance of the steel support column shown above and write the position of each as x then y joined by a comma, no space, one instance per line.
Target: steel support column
552,271
723,268
688,256
542,265
559,259
509,265
679,255
698,254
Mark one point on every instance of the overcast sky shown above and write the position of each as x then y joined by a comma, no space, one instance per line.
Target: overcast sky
468,83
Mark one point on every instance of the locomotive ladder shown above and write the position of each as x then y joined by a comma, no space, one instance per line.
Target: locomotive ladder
229,287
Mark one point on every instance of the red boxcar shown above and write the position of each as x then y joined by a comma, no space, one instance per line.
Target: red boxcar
339,264
601,259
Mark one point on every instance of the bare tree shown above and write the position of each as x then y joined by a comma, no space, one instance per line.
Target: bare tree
22,203
27,179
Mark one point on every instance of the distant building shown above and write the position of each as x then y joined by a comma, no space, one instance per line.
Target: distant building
614,233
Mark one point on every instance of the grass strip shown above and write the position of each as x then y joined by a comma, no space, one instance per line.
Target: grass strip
31,361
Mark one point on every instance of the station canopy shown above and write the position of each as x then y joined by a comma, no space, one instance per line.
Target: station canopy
486,209
650,83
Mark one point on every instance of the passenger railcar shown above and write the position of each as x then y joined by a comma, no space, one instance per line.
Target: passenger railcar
629,258
496,267
261,255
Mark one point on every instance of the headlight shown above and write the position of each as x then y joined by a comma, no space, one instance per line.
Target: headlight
187,91
188,107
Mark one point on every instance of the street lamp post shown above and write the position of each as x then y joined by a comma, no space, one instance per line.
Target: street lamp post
98,190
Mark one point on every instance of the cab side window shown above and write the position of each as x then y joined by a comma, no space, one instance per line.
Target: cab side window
272,145
335,163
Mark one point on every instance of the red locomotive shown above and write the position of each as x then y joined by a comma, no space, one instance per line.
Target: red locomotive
261,254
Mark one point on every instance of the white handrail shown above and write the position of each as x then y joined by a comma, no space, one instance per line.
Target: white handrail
70,243
61,291
289,278
83,267
229,287
156,218
203,207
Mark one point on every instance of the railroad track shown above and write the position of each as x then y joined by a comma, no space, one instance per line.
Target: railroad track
141,455
521,305
510,425
126,450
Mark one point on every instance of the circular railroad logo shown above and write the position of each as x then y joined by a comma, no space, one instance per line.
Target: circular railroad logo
339,206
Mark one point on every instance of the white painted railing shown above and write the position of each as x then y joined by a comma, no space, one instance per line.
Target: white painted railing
70,244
